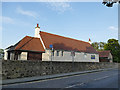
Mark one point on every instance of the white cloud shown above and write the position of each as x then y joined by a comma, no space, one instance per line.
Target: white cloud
27,13
112,28
59,6
5,19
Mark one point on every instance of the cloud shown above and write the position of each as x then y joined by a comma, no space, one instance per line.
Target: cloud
14,21
112,28
27,13
5,19
59,6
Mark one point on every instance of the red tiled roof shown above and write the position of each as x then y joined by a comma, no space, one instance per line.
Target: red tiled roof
104,53
65,43
31,44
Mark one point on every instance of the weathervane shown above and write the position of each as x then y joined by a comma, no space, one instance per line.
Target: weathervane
109,3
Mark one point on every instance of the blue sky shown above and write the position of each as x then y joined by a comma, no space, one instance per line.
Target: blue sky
79,20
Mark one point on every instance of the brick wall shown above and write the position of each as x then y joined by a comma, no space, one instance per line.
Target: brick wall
18,69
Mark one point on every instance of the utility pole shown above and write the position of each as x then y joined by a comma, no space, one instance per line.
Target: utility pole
51,47
73,54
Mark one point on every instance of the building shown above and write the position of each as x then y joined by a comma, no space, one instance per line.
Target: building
105,56
46,47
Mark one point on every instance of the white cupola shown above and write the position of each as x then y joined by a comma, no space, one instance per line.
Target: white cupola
37,31
90,41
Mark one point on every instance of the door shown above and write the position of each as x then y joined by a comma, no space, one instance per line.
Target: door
34,56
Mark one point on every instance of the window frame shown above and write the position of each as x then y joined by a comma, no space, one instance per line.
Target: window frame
62,53
57,53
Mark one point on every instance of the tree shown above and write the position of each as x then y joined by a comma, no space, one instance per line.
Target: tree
1,51
95,45
114,47
109,3
99,46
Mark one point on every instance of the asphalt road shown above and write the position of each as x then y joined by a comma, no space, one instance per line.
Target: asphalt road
102,79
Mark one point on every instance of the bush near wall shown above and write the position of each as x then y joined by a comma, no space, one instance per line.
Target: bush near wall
19,69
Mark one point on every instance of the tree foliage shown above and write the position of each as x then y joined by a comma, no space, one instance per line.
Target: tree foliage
114,47
109,3
1,51
99,46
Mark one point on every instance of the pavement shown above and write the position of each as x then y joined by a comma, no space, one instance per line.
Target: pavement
38,78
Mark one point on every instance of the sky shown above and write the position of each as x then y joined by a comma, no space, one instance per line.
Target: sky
78,20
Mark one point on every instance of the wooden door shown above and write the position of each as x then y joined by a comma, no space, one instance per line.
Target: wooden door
34,56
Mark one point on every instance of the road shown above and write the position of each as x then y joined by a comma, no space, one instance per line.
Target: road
102,79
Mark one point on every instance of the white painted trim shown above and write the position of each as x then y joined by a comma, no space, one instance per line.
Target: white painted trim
42,42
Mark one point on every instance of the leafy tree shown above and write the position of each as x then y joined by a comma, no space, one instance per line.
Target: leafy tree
99,46
114,47
109,3
95,45
1,51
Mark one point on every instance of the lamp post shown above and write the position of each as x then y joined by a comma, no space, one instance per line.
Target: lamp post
51,47
73,54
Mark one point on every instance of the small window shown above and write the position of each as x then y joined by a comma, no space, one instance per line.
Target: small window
72,53
53,53
62,53
85,55
57,53
92,56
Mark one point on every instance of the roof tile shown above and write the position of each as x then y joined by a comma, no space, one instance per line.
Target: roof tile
65,43
104,53
31,44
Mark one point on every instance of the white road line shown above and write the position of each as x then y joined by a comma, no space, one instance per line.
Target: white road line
94,79
102,78
74,85
105,77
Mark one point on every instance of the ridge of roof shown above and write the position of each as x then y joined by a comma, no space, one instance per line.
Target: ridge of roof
65,37
28,43
104,51
16,45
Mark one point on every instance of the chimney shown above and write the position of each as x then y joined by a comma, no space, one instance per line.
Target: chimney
90,41
37,31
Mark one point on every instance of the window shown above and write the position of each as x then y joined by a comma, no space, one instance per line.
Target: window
62,53
53,53
85,55
92,56
57,53
72,53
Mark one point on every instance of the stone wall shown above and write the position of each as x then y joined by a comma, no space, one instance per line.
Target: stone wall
18,69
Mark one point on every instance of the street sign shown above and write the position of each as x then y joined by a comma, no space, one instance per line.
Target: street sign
51,46
92,56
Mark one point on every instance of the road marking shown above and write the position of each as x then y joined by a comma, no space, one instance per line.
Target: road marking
74,85
88,81
102,78
105,77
